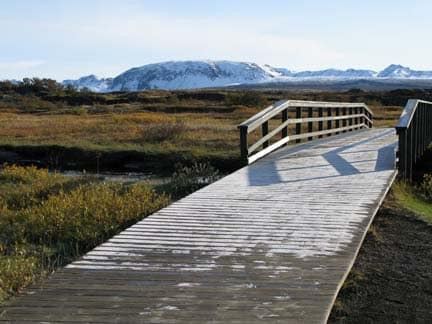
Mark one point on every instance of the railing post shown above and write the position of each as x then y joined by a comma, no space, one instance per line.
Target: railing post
337,121
402,152
415,137
350,111
368,115
344,121
244,143
264,128
356,119
410,152
320,123
298,125
329,122
310,124
428,126
284,119
423,130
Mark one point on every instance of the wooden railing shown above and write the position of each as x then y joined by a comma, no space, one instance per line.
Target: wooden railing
415,135
321,119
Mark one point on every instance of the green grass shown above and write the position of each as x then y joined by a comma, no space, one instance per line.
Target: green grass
47,220
413,199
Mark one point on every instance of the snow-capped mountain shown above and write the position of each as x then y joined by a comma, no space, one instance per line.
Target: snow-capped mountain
91,82
192,74
399,72
203,74
334,73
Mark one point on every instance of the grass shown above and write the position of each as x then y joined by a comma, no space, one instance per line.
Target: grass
415,199
198,125
142,131
48,220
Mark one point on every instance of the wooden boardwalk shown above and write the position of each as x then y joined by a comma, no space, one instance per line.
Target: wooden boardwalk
271,242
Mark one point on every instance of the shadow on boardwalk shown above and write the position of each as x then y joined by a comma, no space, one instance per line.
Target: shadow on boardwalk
343,165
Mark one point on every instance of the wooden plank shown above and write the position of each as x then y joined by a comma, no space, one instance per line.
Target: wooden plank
271,242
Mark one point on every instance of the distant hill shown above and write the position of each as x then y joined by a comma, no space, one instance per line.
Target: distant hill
212,74
371,84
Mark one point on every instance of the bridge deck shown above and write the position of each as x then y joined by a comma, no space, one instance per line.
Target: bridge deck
271,242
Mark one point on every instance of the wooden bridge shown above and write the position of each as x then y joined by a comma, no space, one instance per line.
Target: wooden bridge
272,242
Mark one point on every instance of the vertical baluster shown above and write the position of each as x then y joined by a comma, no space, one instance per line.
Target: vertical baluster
424,127
413,139
356,120
298,125
320,123
344,121
244,143
265,128
310,124
427,122
284,119
369,120
329,122
337,121
350,112
363,119
420,131
402,152
417,138
410,153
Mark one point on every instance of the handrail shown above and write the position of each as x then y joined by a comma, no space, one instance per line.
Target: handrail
352,115
279,106
415,135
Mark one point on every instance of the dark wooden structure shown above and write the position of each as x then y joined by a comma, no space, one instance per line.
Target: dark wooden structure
415,135
353,116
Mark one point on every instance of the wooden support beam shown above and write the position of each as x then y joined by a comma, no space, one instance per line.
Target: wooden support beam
337,121
265,130
344,121
310,124
320,123
298,125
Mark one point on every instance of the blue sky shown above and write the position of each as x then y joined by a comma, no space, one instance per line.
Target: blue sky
66,39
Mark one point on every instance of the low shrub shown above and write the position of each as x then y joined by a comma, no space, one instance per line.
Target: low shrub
186,180
159,132
47,220
246,98
87,215
16,272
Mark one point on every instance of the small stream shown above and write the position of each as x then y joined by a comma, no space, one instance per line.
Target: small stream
124,177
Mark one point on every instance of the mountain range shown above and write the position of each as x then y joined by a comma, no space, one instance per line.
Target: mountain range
203,74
